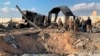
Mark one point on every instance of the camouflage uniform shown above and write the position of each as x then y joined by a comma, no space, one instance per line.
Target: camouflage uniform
60,24
70,24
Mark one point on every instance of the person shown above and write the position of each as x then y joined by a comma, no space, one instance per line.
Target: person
83,25
70,24
76,24
89,25
60,24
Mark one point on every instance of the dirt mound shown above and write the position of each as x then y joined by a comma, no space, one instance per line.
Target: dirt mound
7,49
85,44
30,44
3,53
61,43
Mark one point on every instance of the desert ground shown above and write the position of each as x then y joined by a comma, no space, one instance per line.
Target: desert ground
50,42
29,42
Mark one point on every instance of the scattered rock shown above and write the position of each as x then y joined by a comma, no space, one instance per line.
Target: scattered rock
66,43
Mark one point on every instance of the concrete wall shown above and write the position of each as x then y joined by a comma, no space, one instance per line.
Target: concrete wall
5,20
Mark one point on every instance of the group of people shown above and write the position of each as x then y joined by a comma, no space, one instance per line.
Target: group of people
86,26
77,24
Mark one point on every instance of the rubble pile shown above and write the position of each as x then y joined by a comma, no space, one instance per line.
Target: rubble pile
62,43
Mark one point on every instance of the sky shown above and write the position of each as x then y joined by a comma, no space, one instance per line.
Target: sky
78,7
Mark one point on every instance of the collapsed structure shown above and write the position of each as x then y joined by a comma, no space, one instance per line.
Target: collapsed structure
64,9
42,20
37,18
29,40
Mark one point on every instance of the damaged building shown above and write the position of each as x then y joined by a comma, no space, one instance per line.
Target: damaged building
26,41
37,18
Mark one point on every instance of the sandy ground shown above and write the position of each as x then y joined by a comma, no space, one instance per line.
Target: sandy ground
54,42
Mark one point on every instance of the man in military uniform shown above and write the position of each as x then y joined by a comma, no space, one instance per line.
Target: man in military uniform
89,25
70,24
60,24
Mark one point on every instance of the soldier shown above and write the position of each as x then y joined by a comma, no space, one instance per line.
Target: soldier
89,25
83,26
76,24
60,24
70,24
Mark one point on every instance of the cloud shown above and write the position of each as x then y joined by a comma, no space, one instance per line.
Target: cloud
5,9
85,7
8,10
7,3
31,9
12,12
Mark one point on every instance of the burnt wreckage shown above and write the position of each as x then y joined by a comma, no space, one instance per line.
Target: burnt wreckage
42,20
37,18
64,9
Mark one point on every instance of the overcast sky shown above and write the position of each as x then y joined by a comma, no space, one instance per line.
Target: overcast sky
78,7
